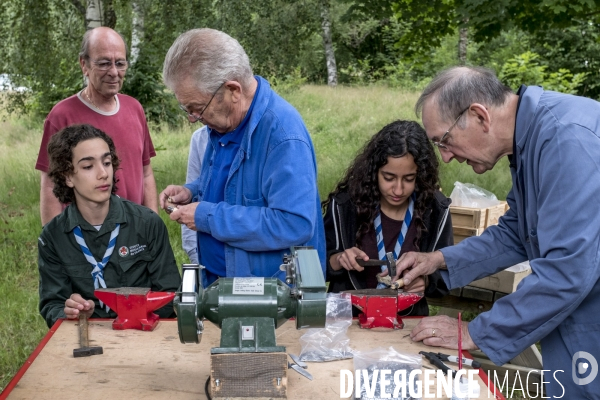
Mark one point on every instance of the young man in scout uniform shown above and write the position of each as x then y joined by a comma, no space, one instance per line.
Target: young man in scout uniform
99,240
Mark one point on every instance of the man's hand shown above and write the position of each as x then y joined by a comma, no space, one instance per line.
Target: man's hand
416,286
174,194
442,331
185,215
77,304
347,259
418,264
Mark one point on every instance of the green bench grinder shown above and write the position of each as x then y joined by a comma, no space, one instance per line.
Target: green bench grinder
248,363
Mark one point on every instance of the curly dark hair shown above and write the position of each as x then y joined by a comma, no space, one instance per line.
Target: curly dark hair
60,152
360,181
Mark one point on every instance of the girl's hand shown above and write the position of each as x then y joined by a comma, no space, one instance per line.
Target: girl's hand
347,259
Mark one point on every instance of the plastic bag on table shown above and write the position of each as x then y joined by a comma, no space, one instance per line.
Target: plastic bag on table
330,343
469,195
370,364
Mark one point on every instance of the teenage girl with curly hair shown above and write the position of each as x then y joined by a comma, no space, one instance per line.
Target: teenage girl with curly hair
391,187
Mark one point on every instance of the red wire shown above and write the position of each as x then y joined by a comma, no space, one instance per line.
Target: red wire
459,342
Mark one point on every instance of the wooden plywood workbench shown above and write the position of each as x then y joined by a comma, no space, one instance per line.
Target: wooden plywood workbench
155,365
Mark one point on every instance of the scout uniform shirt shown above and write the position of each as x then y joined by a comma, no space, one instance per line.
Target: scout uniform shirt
142,257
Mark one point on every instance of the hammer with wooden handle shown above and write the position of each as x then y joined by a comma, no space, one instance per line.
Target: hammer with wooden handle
85,350
390,263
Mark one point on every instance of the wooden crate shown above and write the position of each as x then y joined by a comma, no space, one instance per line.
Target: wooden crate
467,222
504,281
466,217
461,233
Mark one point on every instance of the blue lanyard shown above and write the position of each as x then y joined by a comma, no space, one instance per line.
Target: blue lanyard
379,234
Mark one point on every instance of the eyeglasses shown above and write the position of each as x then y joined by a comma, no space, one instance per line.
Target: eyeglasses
440,143
105,65
199,117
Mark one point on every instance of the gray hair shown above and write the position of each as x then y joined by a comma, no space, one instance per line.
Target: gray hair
454,89
84,51
209,57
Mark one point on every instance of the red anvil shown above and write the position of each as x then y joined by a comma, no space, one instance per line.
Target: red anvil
380,307
134,306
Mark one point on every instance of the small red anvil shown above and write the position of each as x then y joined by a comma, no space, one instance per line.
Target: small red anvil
380,307
134,306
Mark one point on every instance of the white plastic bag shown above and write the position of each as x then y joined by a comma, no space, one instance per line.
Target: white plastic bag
330,343
370,365
469,195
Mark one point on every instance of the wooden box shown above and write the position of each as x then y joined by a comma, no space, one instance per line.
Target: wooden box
461,233
504,281
466,217
467,222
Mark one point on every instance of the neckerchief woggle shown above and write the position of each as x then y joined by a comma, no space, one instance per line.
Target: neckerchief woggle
97,272
401,236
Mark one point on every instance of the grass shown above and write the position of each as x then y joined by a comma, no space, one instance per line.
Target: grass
340,120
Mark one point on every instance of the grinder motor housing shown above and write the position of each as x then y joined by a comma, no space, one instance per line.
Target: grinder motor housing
248,362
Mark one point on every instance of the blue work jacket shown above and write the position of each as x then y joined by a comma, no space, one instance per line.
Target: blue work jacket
553,221
271,195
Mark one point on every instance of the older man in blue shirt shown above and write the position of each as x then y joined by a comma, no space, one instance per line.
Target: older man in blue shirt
553,144
257,191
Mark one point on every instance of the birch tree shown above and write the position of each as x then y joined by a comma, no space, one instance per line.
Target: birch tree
93,14
137,31
327,42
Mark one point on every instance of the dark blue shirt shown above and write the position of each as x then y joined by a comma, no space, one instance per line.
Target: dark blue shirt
226,147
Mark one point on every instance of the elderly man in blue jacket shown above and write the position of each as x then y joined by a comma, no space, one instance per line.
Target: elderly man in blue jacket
257,191
553,144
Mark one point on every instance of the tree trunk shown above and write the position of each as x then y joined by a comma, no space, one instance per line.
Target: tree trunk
137,31
463,40
110,17
329,53
93,15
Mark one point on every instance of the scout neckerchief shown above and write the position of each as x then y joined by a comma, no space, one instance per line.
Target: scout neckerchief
97,273
401,236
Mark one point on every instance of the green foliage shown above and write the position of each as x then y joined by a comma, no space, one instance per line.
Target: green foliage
488,18
360,72
498,50
576,49
369,35
39,51
405,77
274,33
401,43
525,69
522,69
144,82
21,328
564,81
289,83
430,22
408,73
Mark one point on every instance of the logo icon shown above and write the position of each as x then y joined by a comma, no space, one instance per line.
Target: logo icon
581,368
123,251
